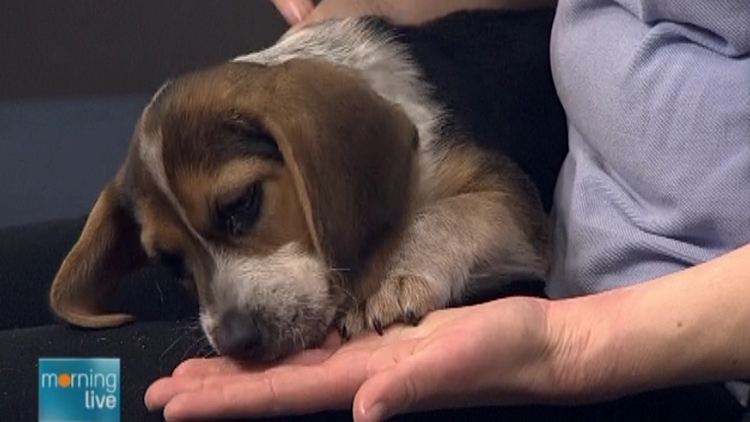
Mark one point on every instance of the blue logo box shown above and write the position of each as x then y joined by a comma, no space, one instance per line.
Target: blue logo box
79,390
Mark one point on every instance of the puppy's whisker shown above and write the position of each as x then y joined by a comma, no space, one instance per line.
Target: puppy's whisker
209,350
204,349
195,325
346,293
298,335
172,345
161,293
201,341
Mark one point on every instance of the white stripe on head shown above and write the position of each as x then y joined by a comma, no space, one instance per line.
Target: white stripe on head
150,151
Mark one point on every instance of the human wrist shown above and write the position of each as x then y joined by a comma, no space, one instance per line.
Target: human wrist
623,341
581,347
652,335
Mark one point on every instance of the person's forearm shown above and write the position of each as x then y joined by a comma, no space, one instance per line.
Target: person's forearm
689,327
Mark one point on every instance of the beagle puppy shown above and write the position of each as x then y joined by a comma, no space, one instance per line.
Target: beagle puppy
320,184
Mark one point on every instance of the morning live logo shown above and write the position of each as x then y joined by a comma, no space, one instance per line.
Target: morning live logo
79,390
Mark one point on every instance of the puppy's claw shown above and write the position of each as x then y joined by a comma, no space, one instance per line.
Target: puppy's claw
378,326
403,298
345,333
411,317
351,323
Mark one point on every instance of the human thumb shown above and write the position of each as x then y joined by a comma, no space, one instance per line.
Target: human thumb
395,390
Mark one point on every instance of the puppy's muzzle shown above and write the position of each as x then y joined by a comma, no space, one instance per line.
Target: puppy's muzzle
238,335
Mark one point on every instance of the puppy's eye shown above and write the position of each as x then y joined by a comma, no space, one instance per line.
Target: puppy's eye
237,218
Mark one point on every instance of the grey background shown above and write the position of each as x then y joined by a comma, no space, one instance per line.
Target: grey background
75,74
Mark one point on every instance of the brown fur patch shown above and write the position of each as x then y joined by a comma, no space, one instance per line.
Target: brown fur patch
88,277
336,161
281,220
353,160
465,168
338,140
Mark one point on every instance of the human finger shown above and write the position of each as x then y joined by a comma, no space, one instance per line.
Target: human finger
294,11
402,387
288,390
193,374
224,366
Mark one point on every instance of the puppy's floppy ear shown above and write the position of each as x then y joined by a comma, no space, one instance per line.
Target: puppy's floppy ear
107,249
352,157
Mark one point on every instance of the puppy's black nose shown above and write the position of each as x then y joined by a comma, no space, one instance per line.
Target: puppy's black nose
238,335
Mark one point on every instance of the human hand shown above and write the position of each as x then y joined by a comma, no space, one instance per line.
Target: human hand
495,353
652,335
299,13
406,12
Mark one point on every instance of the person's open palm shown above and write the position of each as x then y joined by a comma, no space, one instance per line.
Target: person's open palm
486,354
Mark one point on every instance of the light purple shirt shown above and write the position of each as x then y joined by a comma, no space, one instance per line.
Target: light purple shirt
657,94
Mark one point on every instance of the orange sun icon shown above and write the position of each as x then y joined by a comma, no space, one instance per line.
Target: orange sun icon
63,380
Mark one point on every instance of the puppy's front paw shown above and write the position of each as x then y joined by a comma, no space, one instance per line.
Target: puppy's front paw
351,323
402,298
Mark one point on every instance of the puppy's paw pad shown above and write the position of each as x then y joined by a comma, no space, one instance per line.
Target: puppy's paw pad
404,298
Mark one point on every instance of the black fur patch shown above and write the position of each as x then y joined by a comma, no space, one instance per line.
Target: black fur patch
491,71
